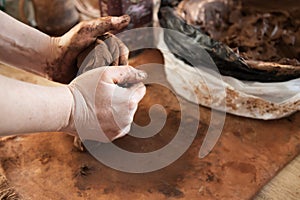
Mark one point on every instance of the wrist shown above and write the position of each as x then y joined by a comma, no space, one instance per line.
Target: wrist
59,67
69,125
54,49
41,108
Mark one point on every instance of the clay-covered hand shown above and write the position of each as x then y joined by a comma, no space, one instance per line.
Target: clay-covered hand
105,101
52,57
67,47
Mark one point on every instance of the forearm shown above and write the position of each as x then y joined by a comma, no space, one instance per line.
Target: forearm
28,108
25,47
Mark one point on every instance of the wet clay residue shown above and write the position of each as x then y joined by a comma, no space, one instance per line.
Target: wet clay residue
256,34
47,166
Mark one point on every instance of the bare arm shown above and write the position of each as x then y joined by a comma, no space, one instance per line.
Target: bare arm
92,100
28,108
23,46
52,57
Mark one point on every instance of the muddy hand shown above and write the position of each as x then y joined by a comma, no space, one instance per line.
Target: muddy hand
70,45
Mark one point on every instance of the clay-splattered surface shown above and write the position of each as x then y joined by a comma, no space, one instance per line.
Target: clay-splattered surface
248,155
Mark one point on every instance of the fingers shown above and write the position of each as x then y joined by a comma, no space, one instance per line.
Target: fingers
131,97
137,91
114,50
122,132
123,75
118,49
103,55
99,101
86,32
95,56
118,107
123,51
102,25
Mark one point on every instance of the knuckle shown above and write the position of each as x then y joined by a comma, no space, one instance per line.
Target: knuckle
81,27
107,18
129,121
105,21
105,75
132,104
125,49
130,70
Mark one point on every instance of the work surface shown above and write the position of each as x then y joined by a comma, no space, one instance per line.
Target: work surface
248,155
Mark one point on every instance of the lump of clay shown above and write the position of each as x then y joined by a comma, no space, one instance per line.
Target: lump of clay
108,50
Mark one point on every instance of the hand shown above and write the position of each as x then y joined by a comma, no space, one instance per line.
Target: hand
104,108
108,50
66,48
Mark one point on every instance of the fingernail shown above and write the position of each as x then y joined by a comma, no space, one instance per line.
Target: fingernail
142,74
120,20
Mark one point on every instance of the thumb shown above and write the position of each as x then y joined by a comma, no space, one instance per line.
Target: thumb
124,75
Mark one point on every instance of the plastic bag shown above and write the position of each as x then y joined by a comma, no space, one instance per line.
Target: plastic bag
243,98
